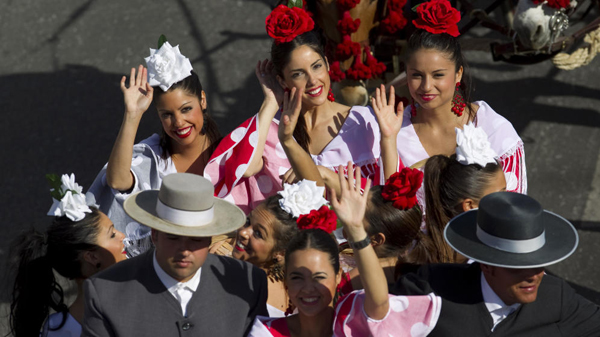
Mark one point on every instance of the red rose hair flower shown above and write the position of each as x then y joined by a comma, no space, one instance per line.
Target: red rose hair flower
347,25
401,188
284,23
556,4
438,16
323,218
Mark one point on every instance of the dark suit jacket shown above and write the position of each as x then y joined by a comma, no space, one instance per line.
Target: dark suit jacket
129,299
558,310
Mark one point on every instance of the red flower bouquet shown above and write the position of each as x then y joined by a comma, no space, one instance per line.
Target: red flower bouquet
346,48
335,72
359,70
438,16
401,188
393,22
323,218
347,25
284,23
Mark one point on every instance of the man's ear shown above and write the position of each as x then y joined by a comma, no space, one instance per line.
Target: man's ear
487,269
377,239
468,204
154,236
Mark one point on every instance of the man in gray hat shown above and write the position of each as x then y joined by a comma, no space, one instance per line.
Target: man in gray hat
177,289
505,292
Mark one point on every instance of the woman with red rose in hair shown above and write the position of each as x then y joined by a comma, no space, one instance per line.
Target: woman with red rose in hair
251,163
270,226
312,273
440,89
392,222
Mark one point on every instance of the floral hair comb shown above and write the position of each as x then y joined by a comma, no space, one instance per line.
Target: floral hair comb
68,197
401,188
437,16
304,201
473,146
284,23
166,65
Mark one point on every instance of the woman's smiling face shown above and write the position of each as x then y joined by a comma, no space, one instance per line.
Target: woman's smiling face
311,281
308,72
432,78
255,240
181,115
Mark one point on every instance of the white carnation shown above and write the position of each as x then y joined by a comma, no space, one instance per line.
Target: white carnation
73,204
167,66
302,197
473,146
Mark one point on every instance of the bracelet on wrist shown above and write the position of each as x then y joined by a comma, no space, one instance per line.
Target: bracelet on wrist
358,245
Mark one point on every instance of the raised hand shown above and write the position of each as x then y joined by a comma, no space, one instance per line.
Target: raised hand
139,94
351,205
292,103
390,121
265,72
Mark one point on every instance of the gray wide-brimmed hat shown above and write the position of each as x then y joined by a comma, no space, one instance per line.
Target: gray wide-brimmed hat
512,230
185,205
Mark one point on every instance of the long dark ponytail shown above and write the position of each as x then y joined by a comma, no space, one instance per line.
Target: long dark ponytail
35,254
447,184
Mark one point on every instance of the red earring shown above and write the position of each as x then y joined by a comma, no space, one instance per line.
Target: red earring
458,103
330,96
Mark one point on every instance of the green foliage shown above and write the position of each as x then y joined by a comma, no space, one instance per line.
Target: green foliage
294,3
161,40
414,9
55,184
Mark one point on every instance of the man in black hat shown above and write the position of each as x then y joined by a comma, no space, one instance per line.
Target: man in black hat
505,292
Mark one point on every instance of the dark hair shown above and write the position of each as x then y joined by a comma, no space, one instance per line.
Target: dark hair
316,239
447,184
35,254
286,228
190,85
400,227
280,56
449,46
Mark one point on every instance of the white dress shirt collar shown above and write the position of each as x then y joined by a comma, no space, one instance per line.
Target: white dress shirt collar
182,291
494,304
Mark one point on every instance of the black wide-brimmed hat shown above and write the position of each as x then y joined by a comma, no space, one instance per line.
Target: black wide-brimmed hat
512,230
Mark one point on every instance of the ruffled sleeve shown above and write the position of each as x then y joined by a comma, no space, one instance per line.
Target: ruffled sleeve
513,165
408,316
230,161
508,145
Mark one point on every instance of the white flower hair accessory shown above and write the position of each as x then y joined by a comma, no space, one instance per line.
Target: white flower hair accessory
473,146
302,197
68,197
166,65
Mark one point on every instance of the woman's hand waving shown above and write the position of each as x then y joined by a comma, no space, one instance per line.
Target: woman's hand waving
138,95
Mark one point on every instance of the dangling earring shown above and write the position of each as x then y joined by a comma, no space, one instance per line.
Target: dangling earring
330,96
458,103
413,107
290,309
